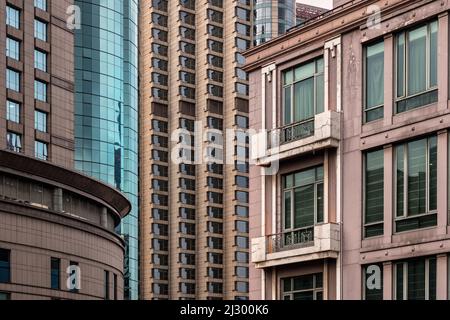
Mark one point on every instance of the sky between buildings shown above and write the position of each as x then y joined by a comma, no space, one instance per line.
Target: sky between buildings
328,4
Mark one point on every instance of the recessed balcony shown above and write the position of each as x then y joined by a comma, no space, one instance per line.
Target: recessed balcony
306,244
321,132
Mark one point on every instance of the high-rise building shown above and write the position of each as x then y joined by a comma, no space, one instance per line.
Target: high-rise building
272,18
106,109
356,105
306,12
53,220
194,216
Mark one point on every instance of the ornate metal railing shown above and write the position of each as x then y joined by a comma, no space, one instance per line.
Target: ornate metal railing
291,132
288,240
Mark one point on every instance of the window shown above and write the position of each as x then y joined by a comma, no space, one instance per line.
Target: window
303,91
242,257
12,49
215,287
12,17
240,58
41,4
242,88
416,184
187,47
216,3
159,19
40,60
187,288
187,33
215,243
242,211
14,141
187,259
40,90
374,86
373,282
4,296
215,123
160,259
215,197
160,126
302,205
215,75
160,5
187,228
216,91
243,29
187,244
161,289
215,31
215,258
241,286
242,44
215,46
242,122
215,61
417,67
241,272
187,273
415,279
215,183
5,266
215,212
242,226
160,245
159,170
243,14
215,168
160,214
40,30
160,229
215,273
307,287
374,194
40,121
12,80
160,64
12,111
242,242
242,196
187,92
215,227
55,274
215,16
159,49
187,18
241,74
41,150
106,285
189,4
187,169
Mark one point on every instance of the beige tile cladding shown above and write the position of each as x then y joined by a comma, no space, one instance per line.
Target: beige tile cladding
173,115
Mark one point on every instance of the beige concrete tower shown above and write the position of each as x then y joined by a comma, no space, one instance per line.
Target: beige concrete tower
194,220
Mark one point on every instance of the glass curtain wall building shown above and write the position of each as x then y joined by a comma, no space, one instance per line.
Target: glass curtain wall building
272,18
106,98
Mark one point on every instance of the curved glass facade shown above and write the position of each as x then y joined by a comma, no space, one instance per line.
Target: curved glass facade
272,18
106,108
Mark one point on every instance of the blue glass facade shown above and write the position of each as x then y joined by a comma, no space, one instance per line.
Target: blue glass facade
106,110
272,18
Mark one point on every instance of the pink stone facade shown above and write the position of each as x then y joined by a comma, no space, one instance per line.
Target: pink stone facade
345,253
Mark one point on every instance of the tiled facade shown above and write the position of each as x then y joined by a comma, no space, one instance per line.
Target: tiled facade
194,218
358,104
50,216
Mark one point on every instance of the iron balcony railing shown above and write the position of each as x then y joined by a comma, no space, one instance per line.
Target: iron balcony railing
288,240
291,132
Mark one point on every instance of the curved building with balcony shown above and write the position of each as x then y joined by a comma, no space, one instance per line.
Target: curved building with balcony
272,18
106,109
57,233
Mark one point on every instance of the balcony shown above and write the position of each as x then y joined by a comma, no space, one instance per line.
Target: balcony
321,132
306,244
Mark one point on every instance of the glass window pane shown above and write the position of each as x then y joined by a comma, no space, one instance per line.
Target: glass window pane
287,105
433,53
320,200
433,173
400,65
304,207
417,151
304,100
417,54
374,187
416,280
320,94
287,210
399,151
305,71
375,75
399,282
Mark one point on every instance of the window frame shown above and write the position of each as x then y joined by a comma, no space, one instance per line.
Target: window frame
365,74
